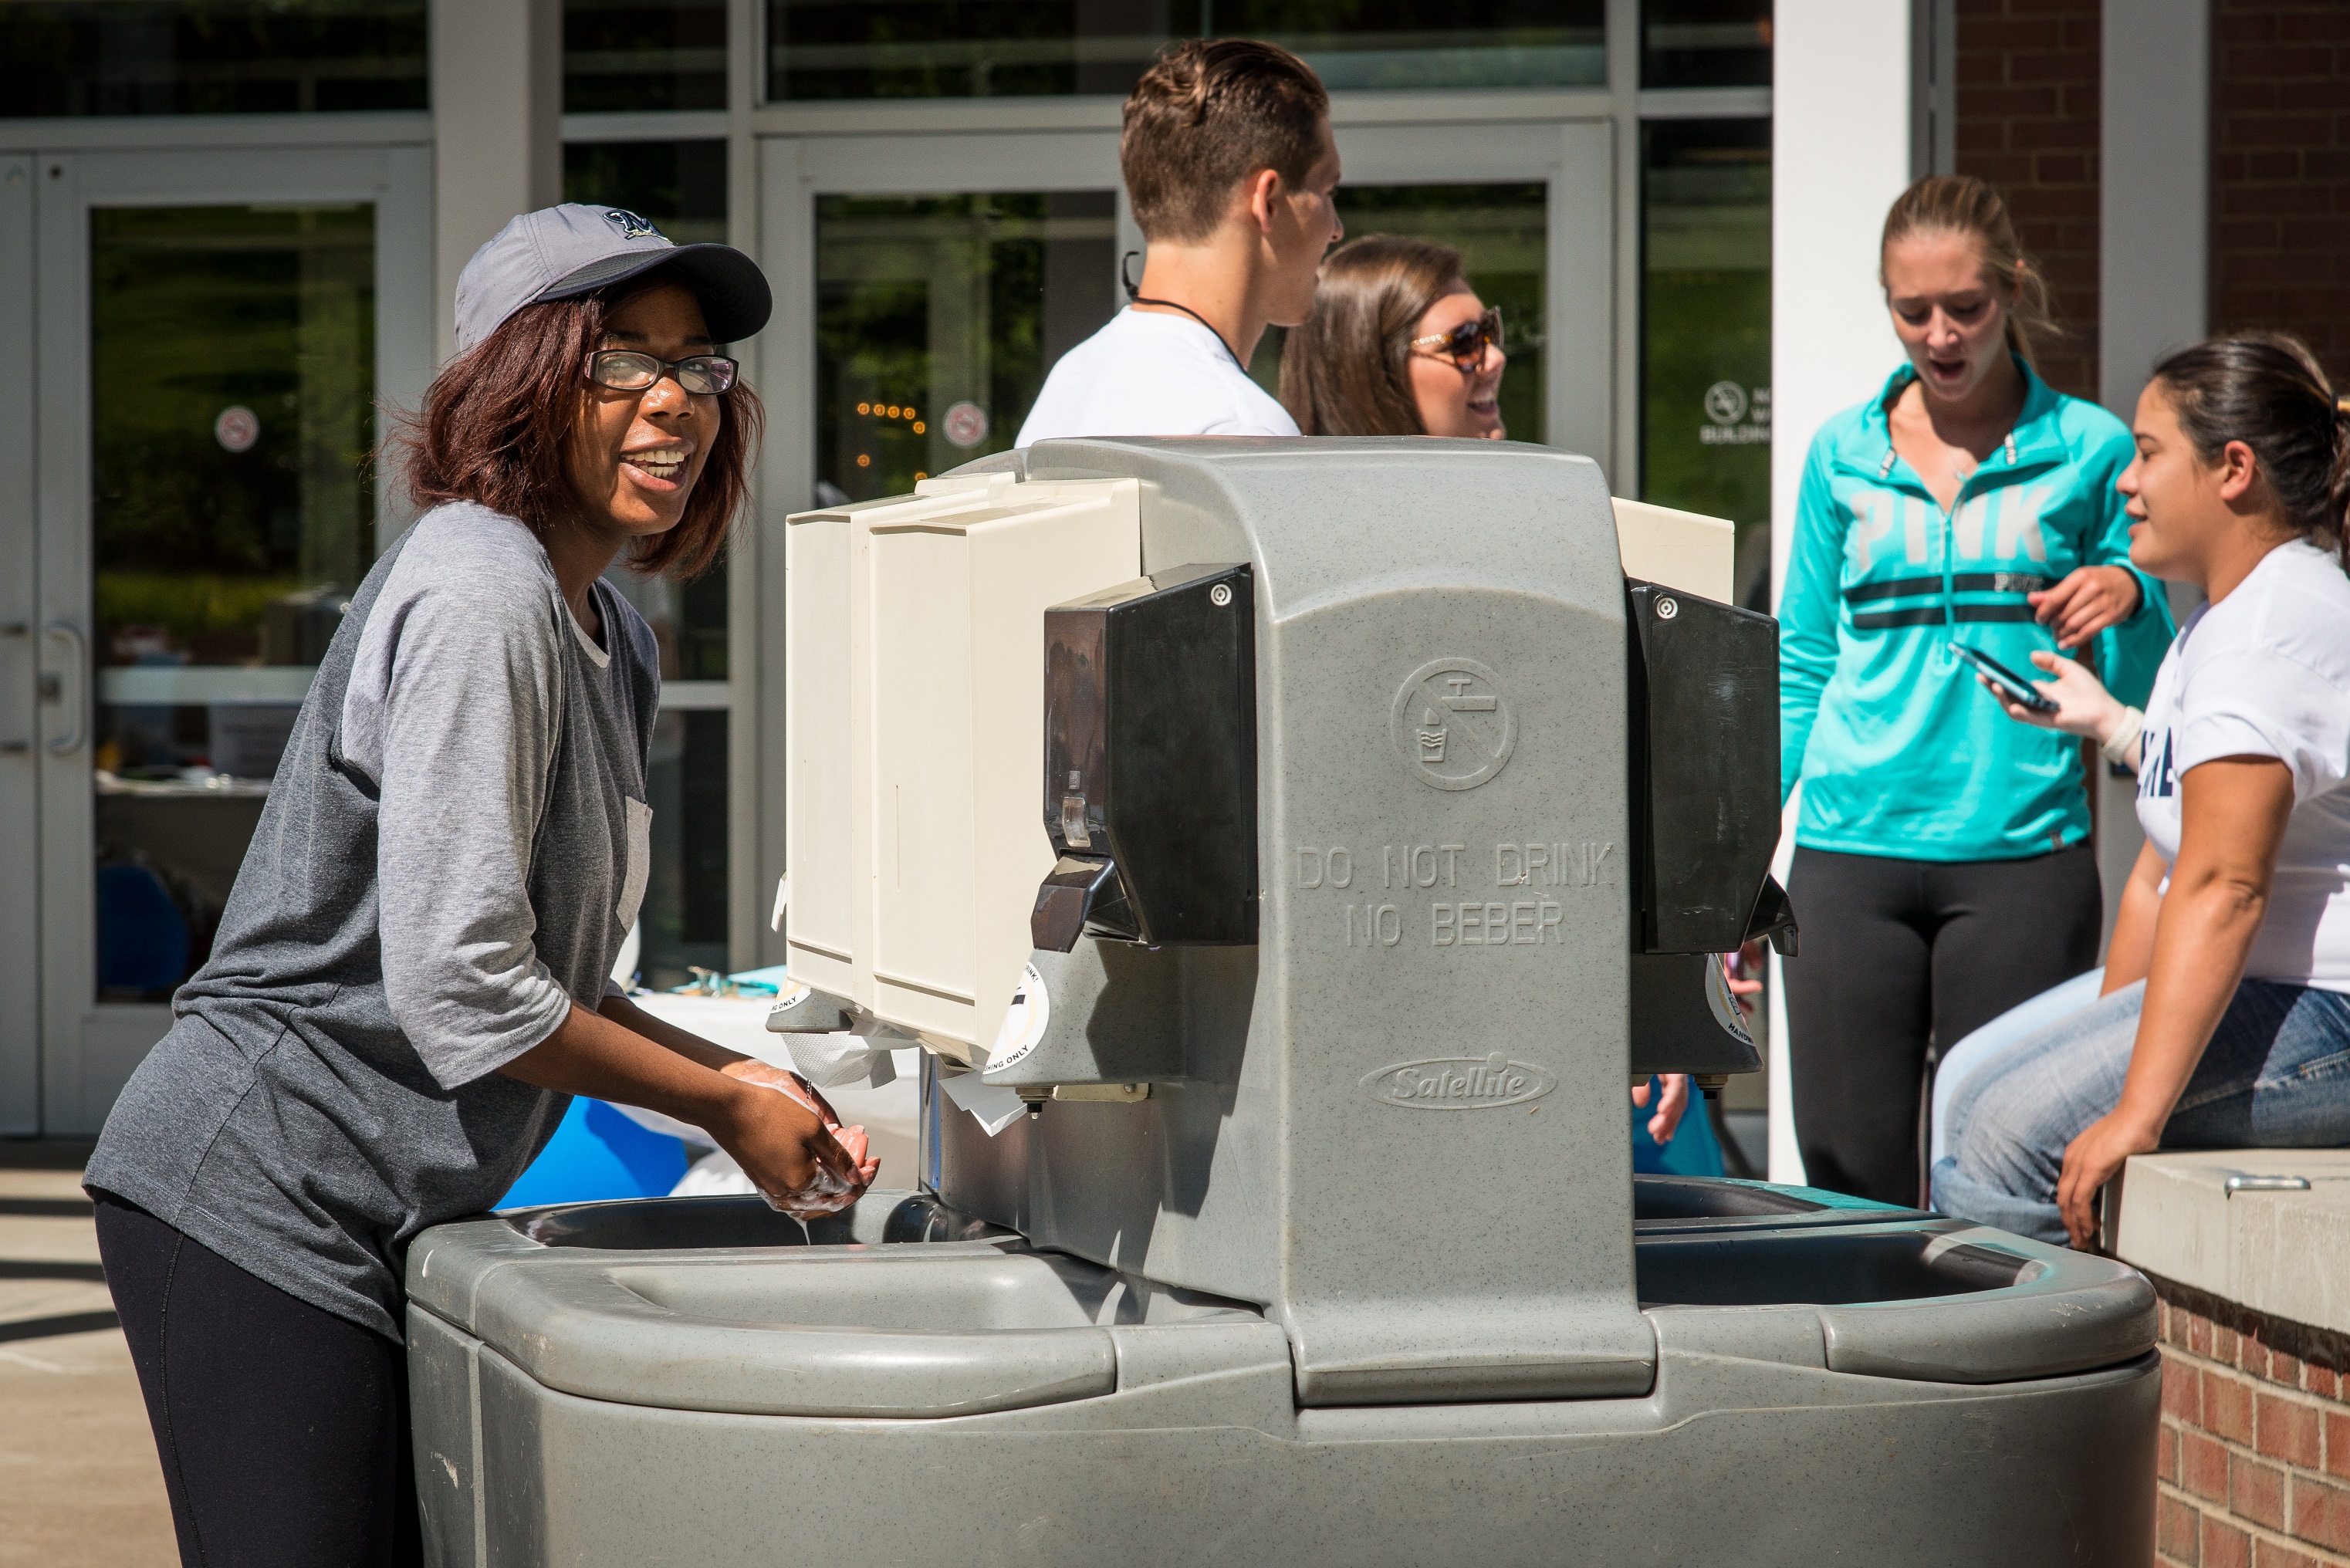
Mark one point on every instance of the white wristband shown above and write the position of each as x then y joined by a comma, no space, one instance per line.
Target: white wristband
2125,736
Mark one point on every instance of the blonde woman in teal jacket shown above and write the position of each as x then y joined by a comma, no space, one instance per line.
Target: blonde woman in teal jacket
1942,865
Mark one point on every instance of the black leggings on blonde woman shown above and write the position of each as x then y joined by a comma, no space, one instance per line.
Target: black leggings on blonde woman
1898,955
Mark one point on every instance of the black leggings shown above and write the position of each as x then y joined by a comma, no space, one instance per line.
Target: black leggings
283,1429
1901,956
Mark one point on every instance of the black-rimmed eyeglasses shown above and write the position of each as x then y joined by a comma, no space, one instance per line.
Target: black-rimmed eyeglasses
630,370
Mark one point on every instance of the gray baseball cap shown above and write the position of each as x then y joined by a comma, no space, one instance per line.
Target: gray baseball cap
562,253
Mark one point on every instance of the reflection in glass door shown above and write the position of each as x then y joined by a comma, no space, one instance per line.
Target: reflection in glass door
216,333
680,185
936,318
233,380
1705,340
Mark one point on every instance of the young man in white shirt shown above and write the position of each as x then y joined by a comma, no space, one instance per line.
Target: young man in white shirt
1230,166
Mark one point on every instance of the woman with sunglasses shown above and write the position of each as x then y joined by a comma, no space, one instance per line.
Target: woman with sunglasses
1398,344
1942,865
410,978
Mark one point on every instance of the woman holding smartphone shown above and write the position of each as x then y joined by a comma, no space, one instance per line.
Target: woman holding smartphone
1941,869
2225,1018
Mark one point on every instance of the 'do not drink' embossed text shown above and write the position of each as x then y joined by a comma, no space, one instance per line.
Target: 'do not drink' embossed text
1371,915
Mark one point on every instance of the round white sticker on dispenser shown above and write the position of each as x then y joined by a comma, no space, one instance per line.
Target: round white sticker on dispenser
1024,1020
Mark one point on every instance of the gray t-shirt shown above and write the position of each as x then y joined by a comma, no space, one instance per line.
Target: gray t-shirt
451,855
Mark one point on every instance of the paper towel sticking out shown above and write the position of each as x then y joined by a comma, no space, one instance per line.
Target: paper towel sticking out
993,1106
842,1060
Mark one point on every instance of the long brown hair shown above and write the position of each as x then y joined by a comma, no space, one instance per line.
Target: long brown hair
2268,390
498,420
1345,370
1963,204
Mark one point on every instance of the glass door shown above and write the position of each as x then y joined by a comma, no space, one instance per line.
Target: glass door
220,333
937,297
20,874
926,285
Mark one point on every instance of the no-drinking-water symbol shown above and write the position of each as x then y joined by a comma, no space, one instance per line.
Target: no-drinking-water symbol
1453,725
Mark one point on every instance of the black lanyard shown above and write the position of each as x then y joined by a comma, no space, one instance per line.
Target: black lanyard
1134,298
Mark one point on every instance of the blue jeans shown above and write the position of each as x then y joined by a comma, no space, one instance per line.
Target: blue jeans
2276,1075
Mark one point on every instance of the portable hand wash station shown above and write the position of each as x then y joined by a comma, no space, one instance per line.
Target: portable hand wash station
1388,818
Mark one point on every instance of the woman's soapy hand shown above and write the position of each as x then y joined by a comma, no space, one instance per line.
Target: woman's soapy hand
2086,602
791,1144
1670,1103
2083,706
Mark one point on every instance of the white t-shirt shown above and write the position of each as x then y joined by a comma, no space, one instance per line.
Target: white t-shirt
2266,673
1152,373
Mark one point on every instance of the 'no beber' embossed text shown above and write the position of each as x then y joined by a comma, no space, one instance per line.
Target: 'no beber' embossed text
1537,921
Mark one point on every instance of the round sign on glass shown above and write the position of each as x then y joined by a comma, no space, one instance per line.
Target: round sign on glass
236,429
965,424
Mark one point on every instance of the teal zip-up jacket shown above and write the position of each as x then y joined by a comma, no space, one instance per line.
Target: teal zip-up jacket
1899,752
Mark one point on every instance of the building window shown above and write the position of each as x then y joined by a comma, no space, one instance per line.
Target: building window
233,409
210,56
681,187
1705,328
621,56
1705,43
999,49
682,923
936,318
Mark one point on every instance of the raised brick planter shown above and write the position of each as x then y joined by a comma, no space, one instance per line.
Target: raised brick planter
2253,1464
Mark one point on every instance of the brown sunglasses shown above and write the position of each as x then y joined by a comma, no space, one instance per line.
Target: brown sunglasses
1465,344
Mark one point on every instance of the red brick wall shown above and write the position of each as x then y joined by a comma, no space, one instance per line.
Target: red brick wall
2027,75
2280,170
2255,1443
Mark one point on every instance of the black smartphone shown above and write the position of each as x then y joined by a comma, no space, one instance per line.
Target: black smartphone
2016,689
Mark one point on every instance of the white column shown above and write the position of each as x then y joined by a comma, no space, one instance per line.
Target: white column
2154,193
497,137
1843,82
2153,259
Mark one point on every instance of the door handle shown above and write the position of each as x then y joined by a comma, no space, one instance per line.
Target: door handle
12,630
77,648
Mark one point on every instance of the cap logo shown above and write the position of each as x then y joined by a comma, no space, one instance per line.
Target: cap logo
631,226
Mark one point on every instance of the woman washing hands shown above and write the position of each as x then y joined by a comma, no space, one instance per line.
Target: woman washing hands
2225,1018
410,976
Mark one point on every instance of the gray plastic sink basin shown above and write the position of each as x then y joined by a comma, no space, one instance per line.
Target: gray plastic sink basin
1824,1268
916,1291
670,1224
1684,1203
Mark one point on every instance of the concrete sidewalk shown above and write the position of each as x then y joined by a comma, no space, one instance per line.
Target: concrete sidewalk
80,1483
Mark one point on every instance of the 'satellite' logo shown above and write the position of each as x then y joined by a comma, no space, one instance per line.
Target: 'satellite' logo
1459,1083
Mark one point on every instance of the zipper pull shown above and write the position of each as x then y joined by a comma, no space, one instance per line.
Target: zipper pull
2009,443
1885,469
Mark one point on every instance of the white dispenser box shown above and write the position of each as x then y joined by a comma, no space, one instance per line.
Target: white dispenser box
914,723
1684,550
